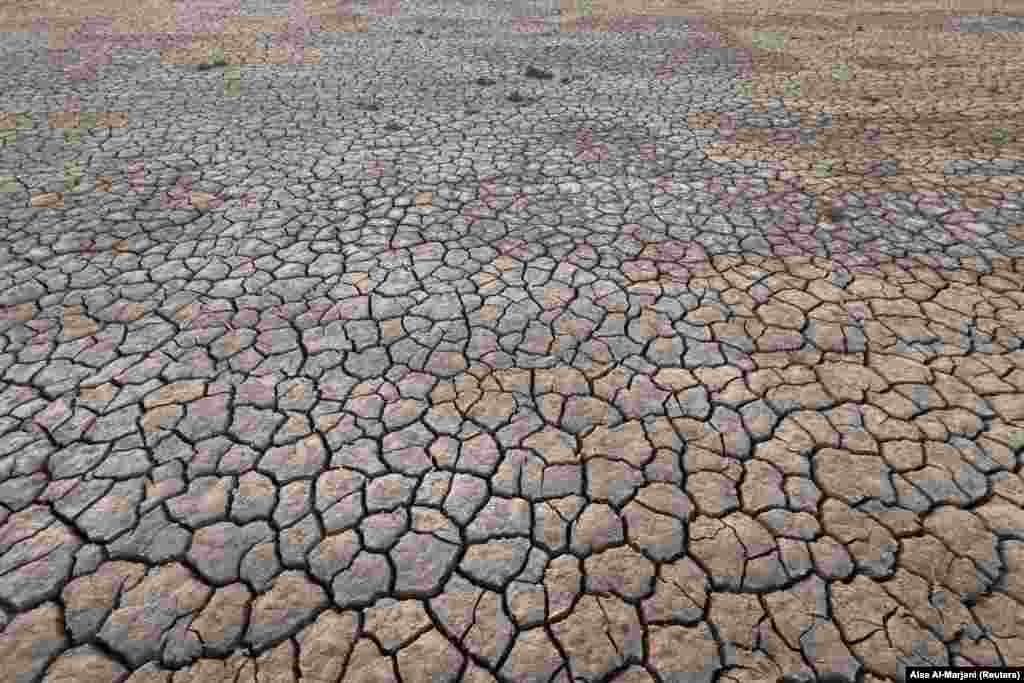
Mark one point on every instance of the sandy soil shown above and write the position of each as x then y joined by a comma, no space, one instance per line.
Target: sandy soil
900,82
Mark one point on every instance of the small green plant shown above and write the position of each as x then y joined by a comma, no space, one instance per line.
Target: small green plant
8,183
1000,136
745,88
791,88
87,119
214,60
72,136
72,176
768,40
233,81
841,72
1017,441
823,168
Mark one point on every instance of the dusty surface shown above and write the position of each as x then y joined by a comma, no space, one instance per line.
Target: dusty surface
428,343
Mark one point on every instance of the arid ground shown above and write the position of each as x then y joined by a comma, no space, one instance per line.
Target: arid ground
510,341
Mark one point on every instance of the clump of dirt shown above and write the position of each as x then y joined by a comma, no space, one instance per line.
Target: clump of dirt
206,66
532,72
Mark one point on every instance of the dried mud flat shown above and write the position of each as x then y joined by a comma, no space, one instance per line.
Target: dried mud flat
921,86
446,344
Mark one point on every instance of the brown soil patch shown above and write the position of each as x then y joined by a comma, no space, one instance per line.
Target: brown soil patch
899,84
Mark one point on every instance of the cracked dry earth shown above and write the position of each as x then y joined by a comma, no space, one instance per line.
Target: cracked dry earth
431,394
